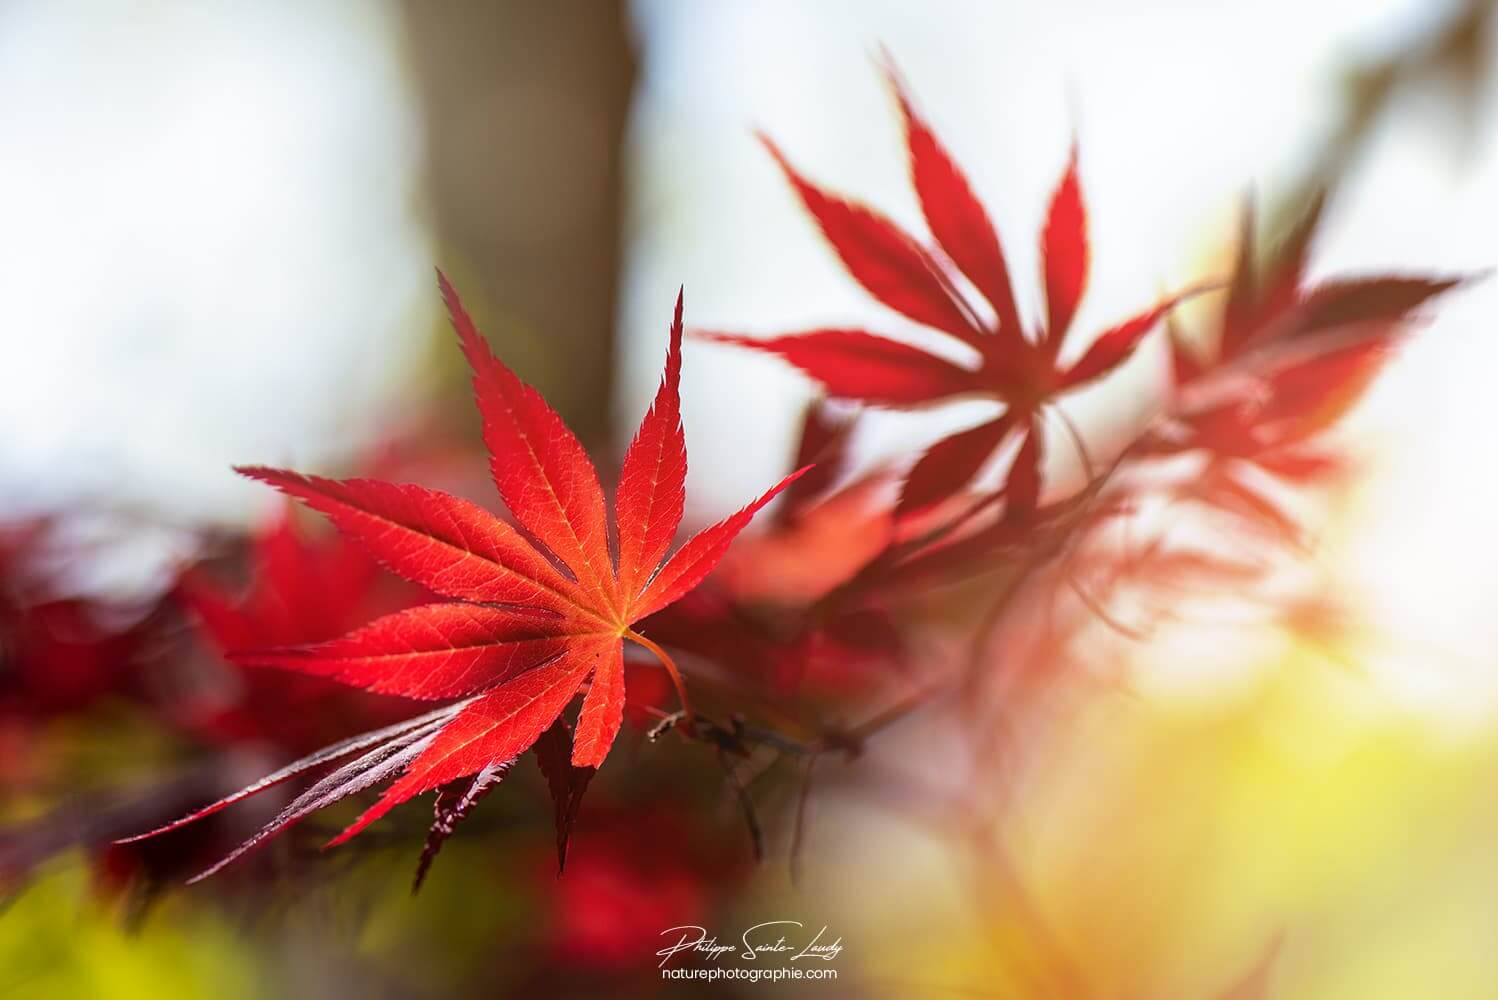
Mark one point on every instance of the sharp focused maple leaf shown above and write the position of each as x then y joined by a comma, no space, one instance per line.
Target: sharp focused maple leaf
537,611
1020,370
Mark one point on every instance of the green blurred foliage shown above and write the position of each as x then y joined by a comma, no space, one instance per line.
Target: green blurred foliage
58,940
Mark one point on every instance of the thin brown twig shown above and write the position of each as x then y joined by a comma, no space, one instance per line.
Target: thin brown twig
798,829
746,806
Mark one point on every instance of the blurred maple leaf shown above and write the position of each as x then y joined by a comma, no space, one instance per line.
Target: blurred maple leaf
303,589
647,866
1271,305
1019,369
61,653
1283,361
534,612
57,656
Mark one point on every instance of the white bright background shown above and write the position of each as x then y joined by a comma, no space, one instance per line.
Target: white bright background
211,255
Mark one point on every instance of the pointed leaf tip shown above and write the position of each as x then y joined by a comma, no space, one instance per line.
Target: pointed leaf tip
949,465
455,801
857,365
958,220
882,257
1064,251
541,469
1114,346
691,563
651,497
396,735
565,781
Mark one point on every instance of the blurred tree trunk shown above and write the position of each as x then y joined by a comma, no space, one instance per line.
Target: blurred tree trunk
525,109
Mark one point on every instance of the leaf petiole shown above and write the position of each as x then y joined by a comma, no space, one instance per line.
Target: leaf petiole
676,678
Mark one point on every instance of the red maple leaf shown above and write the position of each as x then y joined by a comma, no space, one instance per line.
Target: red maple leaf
304,589
1283,361
647,866
1269,306
536,612
1019,369
60,654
